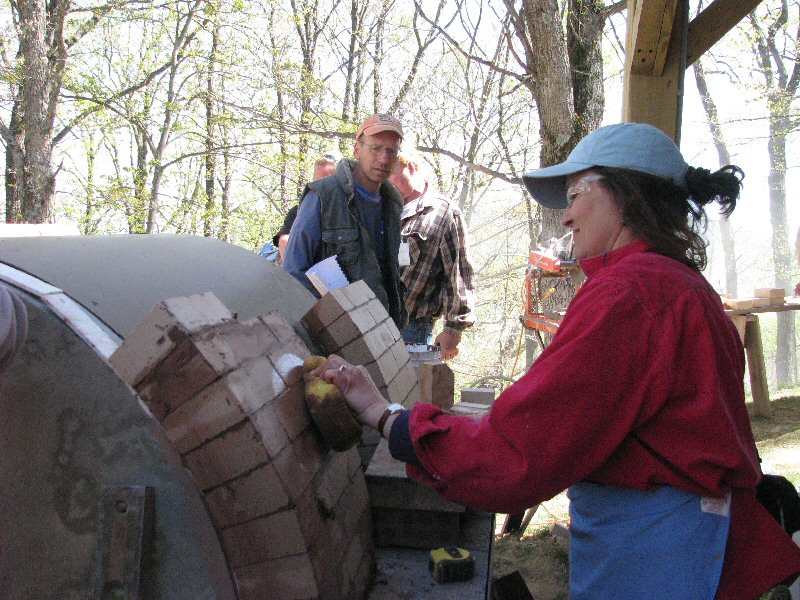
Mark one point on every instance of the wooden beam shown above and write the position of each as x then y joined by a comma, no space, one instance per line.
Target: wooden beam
717,19
650,36
649,96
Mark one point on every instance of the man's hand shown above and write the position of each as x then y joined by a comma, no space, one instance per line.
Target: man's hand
448,344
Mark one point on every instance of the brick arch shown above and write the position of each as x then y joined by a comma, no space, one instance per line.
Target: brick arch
292,517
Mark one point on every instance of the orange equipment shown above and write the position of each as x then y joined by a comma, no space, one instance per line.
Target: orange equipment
543,274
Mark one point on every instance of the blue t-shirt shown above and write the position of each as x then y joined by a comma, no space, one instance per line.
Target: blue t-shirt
306,234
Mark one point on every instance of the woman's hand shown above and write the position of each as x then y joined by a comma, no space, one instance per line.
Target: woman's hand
358,389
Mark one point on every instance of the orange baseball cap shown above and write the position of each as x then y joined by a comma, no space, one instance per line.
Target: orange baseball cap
376,123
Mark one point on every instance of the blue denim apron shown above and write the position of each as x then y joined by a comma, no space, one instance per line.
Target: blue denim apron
628,544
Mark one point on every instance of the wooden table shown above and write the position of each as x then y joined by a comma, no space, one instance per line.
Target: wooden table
746,321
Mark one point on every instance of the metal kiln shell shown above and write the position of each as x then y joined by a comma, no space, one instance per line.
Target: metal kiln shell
69,425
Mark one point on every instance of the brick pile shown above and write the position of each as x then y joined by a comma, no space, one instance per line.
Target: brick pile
293,518
352,323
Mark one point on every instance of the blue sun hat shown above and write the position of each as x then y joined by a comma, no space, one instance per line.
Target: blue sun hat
635,146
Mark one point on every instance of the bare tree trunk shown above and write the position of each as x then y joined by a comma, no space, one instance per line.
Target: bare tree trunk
785,371
377,89
283,137
569,97
422,46
211,142
712,118
226,197
15,160
184,34
137,214
89,226
481,98
585,24
780,88
355,50
42,72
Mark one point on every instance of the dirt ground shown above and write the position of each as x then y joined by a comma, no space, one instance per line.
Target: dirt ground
542,558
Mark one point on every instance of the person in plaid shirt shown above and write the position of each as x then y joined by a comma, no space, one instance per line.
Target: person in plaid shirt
436,271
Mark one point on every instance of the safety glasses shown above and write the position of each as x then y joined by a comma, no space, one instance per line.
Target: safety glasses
580,187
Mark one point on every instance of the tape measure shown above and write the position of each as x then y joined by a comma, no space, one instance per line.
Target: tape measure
450,563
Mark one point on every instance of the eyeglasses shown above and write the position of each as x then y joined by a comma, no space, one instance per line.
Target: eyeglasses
580,187
376,150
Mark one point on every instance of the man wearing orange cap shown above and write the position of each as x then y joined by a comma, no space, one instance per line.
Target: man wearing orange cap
354,215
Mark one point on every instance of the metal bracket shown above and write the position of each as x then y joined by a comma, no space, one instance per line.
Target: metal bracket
126,531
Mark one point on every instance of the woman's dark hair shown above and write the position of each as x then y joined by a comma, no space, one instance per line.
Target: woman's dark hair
668,217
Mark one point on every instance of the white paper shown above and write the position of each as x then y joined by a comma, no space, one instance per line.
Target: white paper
403,255
327,275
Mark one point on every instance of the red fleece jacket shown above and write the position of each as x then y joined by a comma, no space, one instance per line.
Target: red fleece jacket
641,387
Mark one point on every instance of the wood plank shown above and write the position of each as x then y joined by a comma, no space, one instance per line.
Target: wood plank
792,305
651,31
649,97
717,19
758,371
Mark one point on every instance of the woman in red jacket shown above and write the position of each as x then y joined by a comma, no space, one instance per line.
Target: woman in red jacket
637,405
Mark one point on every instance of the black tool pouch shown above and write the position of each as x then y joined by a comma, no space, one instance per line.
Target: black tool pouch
781,499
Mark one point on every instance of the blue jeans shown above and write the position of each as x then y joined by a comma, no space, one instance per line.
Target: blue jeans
418,331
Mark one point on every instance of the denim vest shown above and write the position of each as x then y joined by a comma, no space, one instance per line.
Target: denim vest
345,236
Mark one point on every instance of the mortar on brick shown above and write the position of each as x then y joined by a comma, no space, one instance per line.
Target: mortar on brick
358,293
262,463
262,539
230,344
288,361
252,495
279,326
208,414
400,387
289,577
362,318
257,384
292,411
294,475
377,310
228,455
268,425
375,373
318,332
181,375
328,309
166,325
343,330
413,396
341,297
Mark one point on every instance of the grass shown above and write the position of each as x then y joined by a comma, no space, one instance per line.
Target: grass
778,437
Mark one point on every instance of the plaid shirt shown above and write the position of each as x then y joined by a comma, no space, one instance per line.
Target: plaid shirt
439,279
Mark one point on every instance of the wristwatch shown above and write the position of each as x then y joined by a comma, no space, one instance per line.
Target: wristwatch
392,409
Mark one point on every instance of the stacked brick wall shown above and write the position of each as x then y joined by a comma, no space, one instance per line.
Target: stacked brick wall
292,516
352,323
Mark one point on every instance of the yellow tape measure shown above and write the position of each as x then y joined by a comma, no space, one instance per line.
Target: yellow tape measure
450,563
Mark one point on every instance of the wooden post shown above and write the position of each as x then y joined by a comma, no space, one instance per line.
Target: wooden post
758,371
